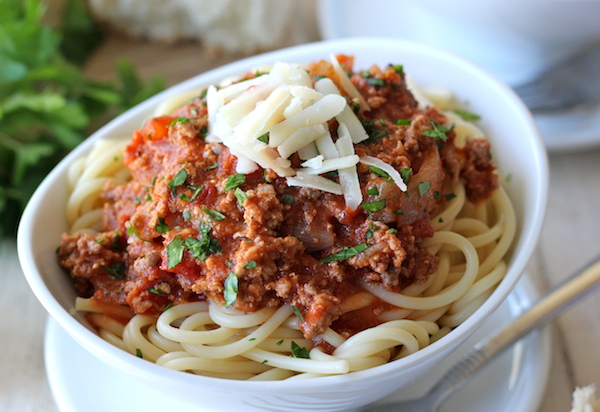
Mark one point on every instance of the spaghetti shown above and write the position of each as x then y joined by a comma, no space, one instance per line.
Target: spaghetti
287,260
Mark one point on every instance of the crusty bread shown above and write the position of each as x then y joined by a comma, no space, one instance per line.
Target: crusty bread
584,400
243,26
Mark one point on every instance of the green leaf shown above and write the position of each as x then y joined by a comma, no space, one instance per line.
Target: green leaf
175,252
234,181
117,270
374,207
299,351
345,253
230,289
215,214
438,131
240,195
424,187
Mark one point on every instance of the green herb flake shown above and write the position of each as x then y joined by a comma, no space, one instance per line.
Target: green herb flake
374,207
438,131
424,187
399,212
240,195
299,351
374,191
345,253
187,215
205,245
280,342
393,231
377,171
288,199
406,172
298,313
467,116
212,167
263,138
138,353
449,196
215,214
403,122
230,289
178,180
131,230
179,120
398,68
117,270
251,264
234,181
175,252
376,82
155,291
161,226
195,192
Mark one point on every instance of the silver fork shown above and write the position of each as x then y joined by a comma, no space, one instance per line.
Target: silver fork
553,303
570,84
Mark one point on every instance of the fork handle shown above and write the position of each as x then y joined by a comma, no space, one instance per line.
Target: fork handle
554,302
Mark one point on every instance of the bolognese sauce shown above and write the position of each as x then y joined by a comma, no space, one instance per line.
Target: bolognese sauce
189,226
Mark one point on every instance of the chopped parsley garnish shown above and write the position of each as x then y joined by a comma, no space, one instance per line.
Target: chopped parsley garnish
205,245
263,138
175,252
403,122
374,207
195,192
374,191
299,351
377,171
117,270
450,196
393,231
365,74
131,230
288,199
234,181
178,180
405,172
250,265
345,253
212,167
398,68
424,187
280,342
376,82
438,132
138,353
468,116
179,120
161,226
298,313
399,212
230,289
215,214
240,195
369,233
155,291
187,215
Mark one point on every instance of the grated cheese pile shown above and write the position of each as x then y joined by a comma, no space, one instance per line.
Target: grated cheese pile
267,119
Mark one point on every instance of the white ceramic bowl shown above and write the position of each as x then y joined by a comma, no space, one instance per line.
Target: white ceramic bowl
517,148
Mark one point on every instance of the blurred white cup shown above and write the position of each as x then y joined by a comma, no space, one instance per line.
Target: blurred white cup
513,39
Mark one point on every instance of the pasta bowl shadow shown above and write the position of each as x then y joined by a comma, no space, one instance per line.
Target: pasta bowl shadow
517,149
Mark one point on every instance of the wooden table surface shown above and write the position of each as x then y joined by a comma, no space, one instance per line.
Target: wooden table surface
571,237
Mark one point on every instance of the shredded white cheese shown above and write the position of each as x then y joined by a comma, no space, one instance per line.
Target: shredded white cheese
267,119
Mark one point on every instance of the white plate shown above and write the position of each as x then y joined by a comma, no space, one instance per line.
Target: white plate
513,382
562,132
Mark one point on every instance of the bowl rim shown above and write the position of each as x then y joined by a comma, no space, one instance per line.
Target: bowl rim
124,360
